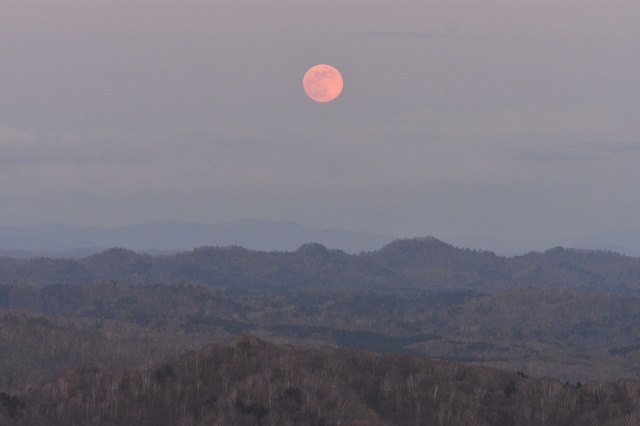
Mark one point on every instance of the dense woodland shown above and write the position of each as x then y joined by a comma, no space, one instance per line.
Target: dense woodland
120,337
250,382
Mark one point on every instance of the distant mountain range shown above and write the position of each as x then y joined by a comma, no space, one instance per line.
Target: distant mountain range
166,237
161,237
623,242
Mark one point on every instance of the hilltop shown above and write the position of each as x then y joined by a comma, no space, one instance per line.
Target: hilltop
421,264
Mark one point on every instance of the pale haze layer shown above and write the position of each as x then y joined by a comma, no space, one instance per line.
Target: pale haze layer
501,119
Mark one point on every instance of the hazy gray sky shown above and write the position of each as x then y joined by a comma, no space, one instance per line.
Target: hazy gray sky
507,119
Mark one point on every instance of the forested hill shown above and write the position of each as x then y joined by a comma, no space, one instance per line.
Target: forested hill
421,264
251,382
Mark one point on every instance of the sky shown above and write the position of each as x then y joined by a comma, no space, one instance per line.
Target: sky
513,119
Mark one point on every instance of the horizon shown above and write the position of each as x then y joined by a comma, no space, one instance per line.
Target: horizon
166,237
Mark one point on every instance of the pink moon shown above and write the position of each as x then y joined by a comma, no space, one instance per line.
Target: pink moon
322,83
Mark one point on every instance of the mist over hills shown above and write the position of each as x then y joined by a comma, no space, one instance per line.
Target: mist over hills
166,237
623,242
56,240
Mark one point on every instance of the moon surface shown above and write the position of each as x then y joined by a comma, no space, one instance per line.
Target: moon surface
322,83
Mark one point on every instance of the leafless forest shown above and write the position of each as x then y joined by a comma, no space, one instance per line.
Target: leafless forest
418,332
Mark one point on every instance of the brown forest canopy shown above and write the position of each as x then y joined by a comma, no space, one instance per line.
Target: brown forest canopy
249,382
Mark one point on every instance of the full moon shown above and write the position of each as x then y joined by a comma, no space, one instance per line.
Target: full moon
322,83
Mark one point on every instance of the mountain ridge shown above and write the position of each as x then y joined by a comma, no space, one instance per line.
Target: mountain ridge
421,264
169,237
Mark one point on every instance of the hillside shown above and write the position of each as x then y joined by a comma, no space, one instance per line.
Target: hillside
544,332
36,347
568,314
250,382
